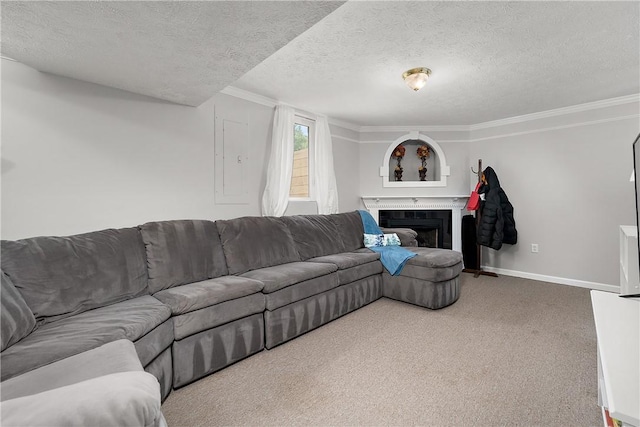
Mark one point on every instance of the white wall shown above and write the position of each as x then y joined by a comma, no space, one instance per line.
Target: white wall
347,166
78,157
568,180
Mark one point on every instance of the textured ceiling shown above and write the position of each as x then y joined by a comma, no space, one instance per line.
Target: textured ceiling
183,52
490,60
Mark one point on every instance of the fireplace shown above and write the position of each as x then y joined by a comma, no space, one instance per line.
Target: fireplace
452,205
433,226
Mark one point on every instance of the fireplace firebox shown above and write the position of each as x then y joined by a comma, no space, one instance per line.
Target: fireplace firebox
433,226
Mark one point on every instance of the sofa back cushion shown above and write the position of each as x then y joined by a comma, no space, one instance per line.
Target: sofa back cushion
314,235
16,320
62,276
250,243
350,227
181,252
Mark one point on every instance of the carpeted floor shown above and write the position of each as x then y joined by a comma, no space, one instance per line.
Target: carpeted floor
509,352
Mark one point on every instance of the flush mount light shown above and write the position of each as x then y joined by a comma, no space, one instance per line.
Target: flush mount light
415,78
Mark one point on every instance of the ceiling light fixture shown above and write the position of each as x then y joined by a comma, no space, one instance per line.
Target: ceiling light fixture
415,78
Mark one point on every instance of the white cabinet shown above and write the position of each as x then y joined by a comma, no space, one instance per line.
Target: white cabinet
618,330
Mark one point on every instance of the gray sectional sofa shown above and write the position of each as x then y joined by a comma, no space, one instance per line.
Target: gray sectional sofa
194,296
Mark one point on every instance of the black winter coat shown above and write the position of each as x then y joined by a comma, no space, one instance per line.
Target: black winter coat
497,225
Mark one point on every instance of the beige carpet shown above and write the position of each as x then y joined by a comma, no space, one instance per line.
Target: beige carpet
509,352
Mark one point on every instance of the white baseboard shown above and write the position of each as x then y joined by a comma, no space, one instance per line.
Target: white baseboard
553,279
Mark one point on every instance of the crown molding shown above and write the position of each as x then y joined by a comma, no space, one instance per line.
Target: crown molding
344,125
249,96
611,102
526,132
434,128
270,102
345,138
551,128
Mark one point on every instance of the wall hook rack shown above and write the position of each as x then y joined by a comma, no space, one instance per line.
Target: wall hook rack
478,271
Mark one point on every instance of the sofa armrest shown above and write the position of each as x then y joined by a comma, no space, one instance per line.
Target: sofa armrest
116,356
125,398
407,236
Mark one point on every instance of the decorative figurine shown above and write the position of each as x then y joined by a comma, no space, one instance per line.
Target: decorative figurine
398,153
423,154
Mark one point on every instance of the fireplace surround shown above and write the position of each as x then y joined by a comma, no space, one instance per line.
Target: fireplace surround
455,204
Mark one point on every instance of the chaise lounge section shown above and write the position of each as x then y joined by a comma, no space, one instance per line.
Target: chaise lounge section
430,279
195,296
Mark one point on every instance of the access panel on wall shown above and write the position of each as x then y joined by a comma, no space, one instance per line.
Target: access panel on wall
232,160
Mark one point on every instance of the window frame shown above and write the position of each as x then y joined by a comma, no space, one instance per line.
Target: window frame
311,124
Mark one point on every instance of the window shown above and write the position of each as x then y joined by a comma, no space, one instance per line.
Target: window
301,178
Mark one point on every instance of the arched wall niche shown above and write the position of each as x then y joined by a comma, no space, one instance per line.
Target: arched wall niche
437,168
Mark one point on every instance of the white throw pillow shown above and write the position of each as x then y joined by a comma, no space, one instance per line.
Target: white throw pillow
391,240
373,240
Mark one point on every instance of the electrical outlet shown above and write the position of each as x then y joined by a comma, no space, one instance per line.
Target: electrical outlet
534,248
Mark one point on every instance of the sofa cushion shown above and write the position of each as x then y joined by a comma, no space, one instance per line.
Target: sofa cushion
350,228
182,251
353,266
362,251
433,265
62,276
281,276
300,291
358,272
16,320
213,316
348,259
435,258
131,319
194,296
314,235
250,243
116,356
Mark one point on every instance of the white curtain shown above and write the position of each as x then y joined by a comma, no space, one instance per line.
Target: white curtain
276,193
325,176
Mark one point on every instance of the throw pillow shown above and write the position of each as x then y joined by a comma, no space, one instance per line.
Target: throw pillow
391,240
372,240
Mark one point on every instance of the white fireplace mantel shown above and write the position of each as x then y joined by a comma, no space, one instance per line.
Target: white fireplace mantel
455,204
